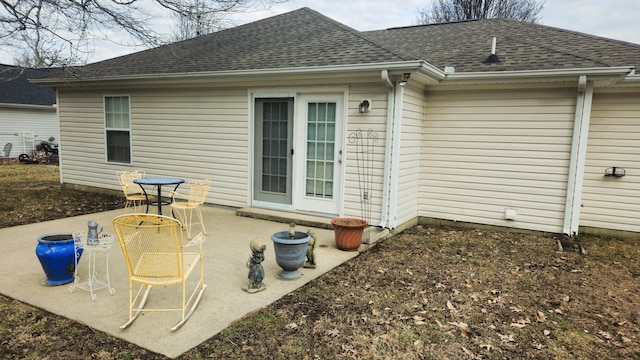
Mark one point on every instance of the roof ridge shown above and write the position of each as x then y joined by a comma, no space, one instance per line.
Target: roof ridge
361,35
430,24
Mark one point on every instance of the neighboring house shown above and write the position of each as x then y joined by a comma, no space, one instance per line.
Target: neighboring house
28,112
521,138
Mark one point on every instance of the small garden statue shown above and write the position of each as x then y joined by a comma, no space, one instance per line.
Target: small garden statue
311,258
256,271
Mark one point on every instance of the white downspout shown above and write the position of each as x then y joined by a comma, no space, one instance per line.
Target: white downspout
60,145
395,156
384,221
578,157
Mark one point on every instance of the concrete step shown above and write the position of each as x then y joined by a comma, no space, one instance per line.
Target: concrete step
286,217
371,236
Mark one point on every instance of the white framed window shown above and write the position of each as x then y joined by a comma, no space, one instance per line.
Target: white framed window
117,124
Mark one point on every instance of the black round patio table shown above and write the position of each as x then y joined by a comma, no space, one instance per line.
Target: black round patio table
159,182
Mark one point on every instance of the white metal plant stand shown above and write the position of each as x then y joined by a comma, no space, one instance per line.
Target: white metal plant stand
91,250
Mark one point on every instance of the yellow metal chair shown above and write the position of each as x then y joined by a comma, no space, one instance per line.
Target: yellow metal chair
136,200
193,201
155,255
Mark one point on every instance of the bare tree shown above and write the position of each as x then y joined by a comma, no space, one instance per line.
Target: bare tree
194,20
61,32
443,11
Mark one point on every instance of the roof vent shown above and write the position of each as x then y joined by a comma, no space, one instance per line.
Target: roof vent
493,58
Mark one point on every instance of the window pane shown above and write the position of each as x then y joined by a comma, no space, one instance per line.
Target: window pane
328,189
311,131
321,132
311,150
331,132
311,170
118,146
331,112
312,113
118,129
322,111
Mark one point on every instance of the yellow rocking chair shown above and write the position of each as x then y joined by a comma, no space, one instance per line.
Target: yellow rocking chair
155,255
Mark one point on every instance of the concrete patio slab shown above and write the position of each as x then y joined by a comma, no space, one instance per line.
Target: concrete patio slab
226,252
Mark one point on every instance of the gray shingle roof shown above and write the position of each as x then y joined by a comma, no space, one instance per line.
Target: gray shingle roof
15,87
299,38
520,46
306,38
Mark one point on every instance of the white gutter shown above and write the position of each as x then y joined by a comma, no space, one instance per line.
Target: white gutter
395,156
61,146
631,80
28,106
384,220
540,74
578,157
400,66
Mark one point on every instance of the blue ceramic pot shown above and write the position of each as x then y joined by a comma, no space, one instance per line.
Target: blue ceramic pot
57,256
290,252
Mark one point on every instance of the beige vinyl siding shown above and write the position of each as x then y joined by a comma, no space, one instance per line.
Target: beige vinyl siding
410,154
484,151
192,134
614,140
375,121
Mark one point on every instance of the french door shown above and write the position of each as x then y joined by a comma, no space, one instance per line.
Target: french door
319,169
299,167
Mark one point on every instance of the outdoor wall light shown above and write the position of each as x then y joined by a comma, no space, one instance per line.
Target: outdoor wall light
614,171
405,78
365,106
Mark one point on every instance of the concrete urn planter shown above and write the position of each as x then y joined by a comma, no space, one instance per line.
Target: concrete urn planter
291,252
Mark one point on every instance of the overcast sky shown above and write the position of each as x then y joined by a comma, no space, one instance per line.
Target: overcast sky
616,19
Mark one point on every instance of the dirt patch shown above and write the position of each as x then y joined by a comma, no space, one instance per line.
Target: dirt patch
429,292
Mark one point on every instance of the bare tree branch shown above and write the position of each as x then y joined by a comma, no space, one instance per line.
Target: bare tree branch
443,11
61,32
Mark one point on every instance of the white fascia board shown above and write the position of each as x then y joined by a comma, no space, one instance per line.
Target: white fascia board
233,75
610,74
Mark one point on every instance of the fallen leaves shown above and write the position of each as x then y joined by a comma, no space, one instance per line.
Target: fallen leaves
418,320
506,338
451,307
605,335
536,345
463,327
542,317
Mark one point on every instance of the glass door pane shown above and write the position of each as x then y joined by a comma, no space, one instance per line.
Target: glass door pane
275,149
272,156
321,125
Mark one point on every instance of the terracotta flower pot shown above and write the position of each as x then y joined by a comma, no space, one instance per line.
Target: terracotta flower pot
348,232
